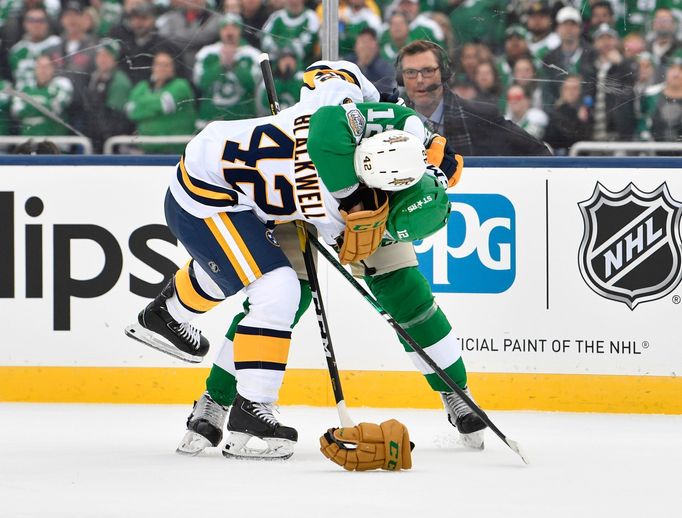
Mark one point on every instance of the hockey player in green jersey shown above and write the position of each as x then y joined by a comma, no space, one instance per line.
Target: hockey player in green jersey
224,73
391,272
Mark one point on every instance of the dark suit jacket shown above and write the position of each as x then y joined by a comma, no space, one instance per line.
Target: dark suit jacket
478,129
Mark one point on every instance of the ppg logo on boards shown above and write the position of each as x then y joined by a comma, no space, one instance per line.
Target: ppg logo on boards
631,250
476,251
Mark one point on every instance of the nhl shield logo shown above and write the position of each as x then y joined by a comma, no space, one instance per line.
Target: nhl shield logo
631,250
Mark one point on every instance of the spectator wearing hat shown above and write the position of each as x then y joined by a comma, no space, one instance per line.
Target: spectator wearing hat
37,41
542,39
515,47
288,78
520,112
471,128
294,26
107,93
191,26
569,120
51,93
163,105
225,74
372,65
662,106
139,40
395,36
77,59
664,43
573,56
612,89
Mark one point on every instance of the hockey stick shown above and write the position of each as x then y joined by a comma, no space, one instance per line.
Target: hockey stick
344,417
416,347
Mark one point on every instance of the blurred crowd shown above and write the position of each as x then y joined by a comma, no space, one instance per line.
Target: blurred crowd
565,71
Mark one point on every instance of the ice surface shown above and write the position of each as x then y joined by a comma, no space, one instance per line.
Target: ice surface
120,461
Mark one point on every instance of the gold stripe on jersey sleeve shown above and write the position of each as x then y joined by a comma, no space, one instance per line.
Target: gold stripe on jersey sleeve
260,348
199,191
188,295
240,243
228,253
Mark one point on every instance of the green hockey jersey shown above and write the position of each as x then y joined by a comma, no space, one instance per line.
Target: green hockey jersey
300,33
54,97
226,93
168,110
22,58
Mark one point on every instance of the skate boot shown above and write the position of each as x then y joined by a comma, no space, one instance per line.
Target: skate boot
158,329
253,423
468,424
204,426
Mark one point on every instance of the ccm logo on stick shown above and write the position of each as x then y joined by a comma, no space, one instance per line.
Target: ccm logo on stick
476,252
65,286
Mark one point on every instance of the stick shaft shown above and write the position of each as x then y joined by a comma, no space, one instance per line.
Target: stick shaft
330,357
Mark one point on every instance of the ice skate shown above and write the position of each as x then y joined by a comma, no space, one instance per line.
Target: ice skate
468,424
204,426
158,329
254,433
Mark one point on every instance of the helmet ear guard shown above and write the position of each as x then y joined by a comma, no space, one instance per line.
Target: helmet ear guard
418,212
392,161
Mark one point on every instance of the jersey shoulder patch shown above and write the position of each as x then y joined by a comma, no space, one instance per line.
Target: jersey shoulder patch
356,121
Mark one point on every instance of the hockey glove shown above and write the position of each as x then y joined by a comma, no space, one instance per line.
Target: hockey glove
391,97
364,228
369,446
442,156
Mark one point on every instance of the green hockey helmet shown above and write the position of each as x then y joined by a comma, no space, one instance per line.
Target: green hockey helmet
418,211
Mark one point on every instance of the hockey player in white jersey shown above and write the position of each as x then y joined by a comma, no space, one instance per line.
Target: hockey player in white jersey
236,179
390,273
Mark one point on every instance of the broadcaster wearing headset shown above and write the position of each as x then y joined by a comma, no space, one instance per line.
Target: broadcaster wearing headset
470,128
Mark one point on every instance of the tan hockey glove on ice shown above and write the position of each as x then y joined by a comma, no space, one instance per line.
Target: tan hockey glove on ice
369,446
441,156
364,228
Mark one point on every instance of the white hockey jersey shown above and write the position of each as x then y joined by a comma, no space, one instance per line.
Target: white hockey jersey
263,164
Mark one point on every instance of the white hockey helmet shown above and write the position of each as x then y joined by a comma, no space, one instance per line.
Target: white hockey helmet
392,161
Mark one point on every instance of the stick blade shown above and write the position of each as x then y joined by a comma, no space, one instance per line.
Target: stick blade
516,448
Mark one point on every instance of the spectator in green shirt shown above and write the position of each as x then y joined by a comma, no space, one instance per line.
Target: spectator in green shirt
163,105
51,93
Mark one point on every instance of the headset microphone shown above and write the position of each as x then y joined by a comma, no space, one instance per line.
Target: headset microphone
433,87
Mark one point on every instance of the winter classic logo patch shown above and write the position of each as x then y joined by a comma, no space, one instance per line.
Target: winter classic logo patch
631,249
356,122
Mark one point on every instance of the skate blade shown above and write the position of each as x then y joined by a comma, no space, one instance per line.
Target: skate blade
246,446
193,444
153,340
473,440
